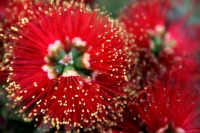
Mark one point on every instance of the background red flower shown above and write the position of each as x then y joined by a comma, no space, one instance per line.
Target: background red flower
170,107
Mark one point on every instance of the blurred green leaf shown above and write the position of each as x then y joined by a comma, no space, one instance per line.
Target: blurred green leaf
112,6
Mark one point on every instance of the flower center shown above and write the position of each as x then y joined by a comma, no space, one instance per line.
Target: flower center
161,40
71,62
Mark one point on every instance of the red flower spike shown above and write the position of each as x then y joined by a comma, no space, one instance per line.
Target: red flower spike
3,5
10,18
185,53
139,17
170,108
62,56
165,47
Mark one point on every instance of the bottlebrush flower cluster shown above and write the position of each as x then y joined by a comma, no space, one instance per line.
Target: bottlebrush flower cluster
165,107
70,66
166,46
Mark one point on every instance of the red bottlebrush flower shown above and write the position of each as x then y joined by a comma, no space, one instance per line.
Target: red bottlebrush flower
141,16
162,108
185,53
62,56
3,5
162,41
170,108
10,18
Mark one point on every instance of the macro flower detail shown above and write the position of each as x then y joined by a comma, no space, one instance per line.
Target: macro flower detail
61,63
161,40
129,121
164,108
95,66
170,107
164,46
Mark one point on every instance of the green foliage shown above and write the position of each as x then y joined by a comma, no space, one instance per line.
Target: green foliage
112,6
